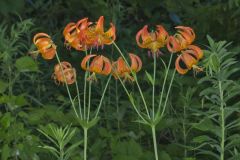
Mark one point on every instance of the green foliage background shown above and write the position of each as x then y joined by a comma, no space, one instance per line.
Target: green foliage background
29,99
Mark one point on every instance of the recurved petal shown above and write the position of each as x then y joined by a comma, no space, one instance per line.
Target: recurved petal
43,43
162,33
179,69
82,24
187,30
173,45
49,54
198,53
85,60
69,27
142,35
99,26
96,65
110,34
40,35
188,59
136,63
107,66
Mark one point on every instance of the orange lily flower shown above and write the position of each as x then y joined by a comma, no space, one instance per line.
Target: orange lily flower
45,45
154,40
121,70
181,40
189,58
74,34
99,65
67,71
95,35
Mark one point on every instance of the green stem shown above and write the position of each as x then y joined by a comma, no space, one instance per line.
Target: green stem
117,103
79,100
184,131
10,81
153,85
222,121
89,99
154,142
85,143
65,81
135,77
131,100
85,89
103,94
164,83
61,154
84,96
168,92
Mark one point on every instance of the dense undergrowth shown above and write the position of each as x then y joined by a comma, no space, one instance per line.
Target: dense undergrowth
201,119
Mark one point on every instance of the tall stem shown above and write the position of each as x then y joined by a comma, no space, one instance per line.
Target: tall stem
153,86
184,131
116,96
85,143
164,83
168,92
222,121
154,142
61,153
131,100
89,100
65,81
84,96
79,100
103,94
135,77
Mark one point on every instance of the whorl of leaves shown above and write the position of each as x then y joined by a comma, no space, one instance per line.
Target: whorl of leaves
219,115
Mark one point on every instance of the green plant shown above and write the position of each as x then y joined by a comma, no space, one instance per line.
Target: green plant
60,138
219,113
17,140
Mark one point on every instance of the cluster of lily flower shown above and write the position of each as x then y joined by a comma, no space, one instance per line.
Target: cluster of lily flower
181,42
85,35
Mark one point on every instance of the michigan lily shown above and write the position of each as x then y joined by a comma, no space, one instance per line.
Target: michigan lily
181,40
45,45
188,59
121,70
98,65
96,36
152,40
74,34
64,72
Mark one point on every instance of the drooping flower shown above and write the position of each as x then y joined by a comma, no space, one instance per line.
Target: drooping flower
120,69
64,71
74,34
188,59
98,65
181,40
45,45
152,40
96,36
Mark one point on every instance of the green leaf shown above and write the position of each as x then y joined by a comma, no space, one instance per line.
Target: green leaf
201,139
204,125
164,155
131,99
149,77
214,62
26,64
72,147
89,124
6,120
3,86
5,152
129,150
